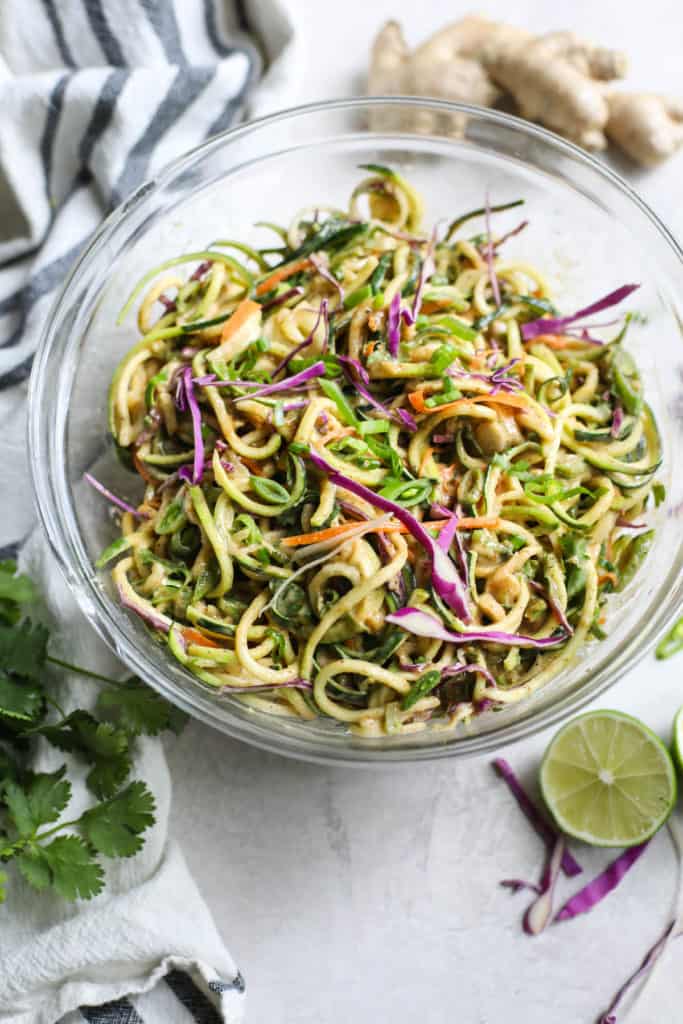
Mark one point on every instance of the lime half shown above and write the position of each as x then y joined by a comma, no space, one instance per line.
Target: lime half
608,780
678,739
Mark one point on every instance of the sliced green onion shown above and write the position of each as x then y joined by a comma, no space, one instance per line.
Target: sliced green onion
360,295
373,427
333,391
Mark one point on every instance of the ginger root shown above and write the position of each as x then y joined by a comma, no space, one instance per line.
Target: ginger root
547,79
648,128
557,79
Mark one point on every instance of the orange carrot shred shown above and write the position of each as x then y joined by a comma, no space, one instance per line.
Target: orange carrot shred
281,274
193,636
239,318
466,523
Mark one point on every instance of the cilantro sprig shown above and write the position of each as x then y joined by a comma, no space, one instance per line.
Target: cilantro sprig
50,849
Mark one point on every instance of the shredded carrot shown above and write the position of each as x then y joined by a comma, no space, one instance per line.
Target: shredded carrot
142,470
253,465
435,305
313,538
611,576
466,523
239,318
369,348
281,274
417,400
193,636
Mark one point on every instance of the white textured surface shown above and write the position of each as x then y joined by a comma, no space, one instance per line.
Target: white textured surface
362,896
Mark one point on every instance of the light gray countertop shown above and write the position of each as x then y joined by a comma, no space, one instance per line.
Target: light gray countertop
372,896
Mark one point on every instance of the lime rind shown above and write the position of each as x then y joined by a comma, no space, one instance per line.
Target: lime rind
608,779
677,745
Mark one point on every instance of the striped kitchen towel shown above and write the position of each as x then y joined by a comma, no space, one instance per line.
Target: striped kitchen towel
96,96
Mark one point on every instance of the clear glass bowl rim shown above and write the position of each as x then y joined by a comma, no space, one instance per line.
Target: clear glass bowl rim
49,492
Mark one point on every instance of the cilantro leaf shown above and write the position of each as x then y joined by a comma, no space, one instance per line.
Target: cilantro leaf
20,699
35,868
114,827
23,649
138,709
9,769
108,775
101,743
39,801
75,872
13,587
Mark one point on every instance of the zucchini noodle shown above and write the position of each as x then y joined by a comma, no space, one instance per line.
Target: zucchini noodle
375,489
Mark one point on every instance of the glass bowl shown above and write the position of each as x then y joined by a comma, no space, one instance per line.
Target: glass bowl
587,228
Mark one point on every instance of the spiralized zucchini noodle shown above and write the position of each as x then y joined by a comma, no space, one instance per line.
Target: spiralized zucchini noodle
385,481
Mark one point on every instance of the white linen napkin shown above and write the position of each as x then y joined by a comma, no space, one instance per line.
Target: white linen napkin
96,96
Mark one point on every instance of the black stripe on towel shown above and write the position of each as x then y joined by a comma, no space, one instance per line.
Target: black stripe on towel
163,20
183,91
121,1011
54,109
103,113
221,48
58,31
108,42
192,998
47,278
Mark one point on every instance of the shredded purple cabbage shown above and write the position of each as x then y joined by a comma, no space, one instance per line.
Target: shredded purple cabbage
168,304
498,380
322,313
198,273
534,816
458,670
423,624
119,502
540,912
426,271
154,618
310,373
617,421
596,890
357,375
441,510
278,300
323,271
299,684
557,610
519,885
556,325
186,399
510,234
628,524
394,325
447,533
445,577
647,963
